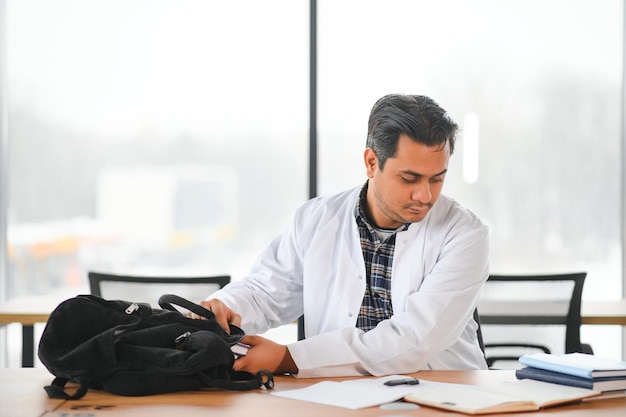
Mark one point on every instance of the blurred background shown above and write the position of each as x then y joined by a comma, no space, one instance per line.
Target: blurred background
170,137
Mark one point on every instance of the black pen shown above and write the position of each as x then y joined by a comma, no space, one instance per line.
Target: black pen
407,381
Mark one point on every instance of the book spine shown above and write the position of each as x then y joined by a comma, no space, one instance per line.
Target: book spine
554,378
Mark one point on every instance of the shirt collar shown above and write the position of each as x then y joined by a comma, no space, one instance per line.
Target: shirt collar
360,211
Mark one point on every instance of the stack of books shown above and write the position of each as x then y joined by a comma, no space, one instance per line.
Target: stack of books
576,370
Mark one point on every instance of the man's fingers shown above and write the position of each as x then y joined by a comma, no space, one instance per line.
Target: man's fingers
240,364
249,340
223,314
207,305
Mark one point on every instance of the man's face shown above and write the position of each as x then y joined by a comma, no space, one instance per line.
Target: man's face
408,185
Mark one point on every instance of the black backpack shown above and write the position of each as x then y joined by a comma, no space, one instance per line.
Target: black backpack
129,348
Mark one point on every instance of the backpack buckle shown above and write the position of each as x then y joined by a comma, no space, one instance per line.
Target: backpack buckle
180,340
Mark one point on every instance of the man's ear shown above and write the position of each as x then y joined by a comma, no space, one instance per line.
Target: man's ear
371,162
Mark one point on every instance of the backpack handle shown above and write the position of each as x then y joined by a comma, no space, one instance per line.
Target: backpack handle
166,301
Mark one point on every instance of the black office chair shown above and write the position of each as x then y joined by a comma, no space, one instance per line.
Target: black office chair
148,289
531,300
479,332
301,327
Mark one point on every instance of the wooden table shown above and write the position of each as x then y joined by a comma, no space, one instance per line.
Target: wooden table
592,312
604,312
22,394
35,309
32,309
28,321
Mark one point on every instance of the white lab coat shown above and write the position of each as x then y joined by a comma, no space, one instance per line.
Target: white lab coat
316,267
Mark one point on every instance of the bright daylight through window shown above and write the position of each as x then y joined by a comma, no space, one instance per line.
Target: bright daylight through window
166,137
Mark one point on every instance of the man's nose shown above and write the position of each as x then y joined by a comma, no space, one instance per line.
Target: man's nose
422,193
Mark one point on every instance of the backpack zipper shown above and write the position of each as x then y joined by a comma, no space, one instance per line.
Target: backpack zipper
132,308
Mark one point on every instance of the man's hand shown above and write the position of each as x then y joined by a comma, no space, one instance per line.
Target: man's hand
223,314
265,354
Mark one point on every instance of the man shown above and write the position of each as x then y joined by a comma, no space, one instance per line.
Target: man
387,274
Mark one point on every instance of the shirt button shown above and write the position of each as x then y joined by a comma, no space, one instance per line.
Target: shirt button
360,277
349,314
405,241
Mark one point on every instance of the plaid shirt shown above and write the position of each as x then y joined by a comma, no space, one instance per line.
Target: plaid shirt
378,258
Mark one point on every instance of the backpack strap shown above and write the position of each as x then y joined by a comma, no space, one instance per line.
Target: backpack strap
56,390
166,301
241,381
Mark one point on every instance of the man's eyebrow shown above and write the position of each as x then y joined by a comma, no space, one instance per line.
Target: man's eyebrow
418,175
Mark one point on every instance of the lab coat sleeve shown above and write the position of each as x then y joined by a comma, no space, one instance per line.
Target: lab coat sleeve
272,293
265,298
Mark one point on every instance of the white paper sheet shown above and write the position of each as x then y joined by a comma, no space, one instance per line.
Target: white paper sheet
354,394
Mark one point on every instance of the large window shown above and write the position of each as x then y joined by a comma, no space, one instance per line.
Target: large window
157,136
151,135
170,136
536,89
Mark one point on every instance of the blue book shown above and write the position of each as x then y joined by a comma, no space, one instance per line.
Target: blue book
576,364
604,384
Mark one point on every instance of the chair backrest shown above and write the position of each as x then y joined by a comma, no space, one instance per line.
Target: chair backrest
148,289
301,335
550,299
479,331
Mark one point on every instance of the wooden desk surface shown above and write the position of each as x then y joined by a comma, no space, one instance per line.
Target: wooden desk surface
22,394
31,309
36,309
592,312
604,312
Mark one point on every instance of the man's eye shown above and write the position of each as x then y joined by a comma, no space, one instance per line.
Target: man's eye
436,179
410,180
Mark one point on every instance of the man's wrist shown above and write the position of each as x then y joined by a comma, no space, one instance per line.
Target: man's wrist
287,364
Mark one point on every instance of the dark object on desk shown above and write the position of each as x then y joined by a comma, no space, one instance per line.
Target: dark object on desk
405,381
605,384
129,348
500,306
